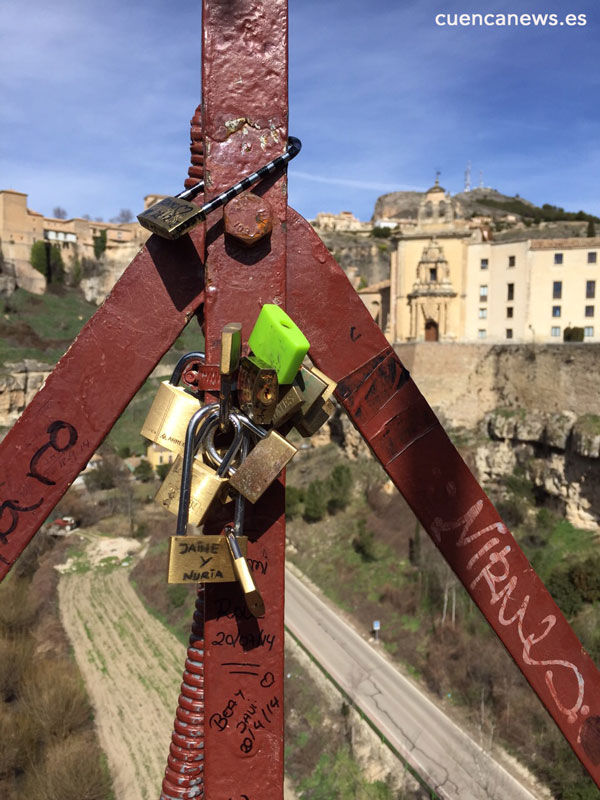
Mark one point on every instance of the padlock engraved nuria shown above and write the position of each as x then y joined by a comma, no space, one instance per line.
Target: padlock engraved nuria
167,420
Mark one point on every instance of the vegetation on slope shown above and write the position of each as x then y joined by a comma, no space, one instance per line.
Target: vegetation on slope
49,747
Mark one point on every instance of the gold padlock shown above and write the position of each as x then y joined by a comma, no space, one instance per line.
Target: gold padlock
257,389
201,482
310,423
264,463
173,407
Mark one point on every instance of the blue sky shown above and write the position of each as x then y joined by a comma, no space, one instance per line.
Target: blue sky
96,102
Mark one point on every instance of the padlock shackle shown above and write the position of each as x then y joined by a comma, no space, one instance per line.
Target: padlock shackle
212,413
258,430
188,460
211,450
196,355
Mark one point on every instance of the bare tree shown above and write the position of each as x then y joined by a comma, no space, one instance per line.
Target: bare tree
59,212
124,215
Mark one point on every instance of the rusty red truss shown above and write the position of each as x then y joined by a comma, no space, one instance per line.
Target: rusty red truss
210,270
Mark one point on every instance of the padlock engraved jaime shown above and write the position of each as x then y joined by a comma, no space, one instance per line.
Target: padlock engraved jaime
172,409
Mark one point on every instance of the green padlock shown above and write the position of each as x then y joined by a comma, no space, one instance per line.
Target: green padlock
279,342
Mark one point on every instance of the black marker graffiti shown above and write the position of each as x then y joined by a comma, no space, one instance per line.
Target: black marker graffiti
14,510
54,430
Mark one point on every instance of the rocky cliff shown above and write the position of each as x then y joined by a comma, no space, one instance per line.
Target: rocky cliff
558,452
18,384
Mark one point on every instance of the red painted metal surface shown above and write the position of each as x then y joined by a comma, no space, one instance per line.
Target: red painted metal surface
91,385
406,437
244,122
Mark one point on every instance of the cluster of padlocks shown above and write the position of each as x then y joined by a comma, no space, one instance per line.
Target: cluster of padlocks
233,450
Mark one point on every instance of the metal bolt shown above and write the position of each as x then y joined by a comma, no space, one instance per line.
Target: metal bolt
248,218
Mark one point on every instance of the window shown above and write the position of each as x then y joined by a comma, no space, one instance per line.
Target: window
556,311
432,274
483,294
509,333
589,311
590,289
509,312
588,331
558,258
555,331
510,291
557,290
592,258
482,313
484,263
481,334
512,261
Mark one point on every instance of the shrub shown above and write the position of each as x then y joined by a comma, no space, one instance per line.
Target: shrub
162,470
15,657
55,699
47,259
586,578
562,588
364,541
340,488
71,770
315,501
100,244
294,499
144,471
17,609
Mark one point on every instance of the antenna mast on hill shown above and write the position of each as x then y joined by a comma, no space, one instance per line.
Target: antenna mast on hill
481,179
468,177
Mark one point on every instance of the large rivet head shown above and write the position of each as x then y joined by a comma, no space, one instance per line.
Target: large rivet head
248,218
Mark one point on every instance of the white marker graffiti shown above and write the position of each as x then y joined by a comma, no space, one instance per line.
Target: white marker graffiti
493,579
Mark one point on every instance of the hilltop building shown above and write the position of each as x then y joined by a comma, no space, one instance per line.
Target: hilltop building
20,227
450,281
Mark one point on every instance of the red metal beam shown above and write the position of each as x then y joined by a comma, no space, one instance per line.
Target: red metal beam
90,386
245,113
397,422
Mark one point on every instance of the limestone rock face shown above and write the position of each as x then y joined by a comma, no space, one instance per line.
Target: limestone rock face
112,265
18,384
28,278
559,452
559,427
586,436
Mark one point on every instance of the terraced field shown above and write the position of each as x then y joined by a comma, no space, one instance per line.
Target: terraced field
132,669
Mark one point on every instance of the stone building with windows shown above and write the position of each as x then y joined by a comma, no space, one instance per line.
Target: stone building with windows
450,281
532,290
20,227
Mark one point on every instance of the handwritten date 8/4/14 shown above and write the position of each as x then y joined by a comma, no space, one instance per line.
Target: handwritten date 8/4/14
248,716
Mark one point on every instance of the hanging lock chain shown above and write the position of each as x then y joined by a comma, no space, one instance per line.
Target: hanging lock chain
174,216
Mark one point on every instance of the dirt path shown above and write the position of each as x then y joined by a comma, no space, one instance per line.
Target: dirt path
132,669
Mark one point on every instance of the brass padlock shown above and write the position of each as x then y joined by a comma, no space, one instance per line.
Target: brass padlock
167,420
252,596
310,423
311,385
257,389
191,478
290,402
264,463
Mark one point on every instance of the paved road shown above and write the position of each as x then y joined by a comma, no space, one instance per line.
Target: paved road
451,762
